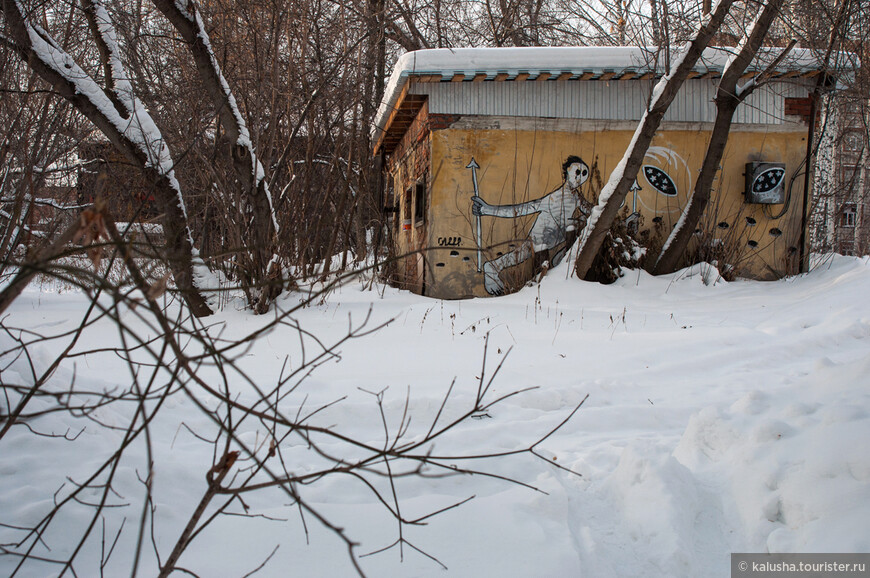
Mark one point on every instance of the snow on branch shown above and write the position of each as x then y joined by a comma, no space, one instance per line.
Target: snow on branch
46,202
188,22
728,97
131,130
136,128
623,175
117,79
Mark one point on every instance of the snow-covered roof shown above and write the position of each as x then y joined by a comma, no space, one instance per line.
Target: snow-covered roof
551,63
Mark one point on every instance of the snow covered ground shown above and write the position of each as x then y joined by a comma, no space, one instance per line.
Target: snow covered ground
721,417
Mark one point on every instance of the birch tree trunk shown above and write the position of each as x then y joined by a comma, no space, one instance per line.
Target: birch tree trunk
862,242
824,205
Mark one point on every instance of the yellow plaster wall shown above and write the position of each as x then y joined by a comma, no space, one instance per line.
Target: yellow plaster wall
522,165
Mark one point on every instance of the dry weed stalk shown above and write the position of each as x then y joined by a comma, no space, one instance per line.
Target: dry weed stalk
173,356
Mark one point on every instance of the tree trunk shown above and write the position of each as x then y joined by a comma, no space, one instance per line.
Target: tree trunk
623,176
861,238
675,247
58,69
257,200
728,98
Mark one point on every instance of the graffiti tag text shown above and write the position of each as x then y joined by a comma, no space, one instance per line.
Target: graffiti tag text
449,241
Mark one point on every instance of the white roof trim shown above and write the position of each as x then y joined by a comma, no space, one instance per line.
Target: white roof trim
574,59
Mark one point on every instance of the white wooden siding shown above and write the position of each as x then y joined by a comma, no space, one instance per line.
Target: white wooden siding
601,100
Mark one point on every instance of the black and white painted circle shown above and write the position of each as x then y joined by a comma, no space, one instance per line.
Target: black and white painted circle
660,180
768,180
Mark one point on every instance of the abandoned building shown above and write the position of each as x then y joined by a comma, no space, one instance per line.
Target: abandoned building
493,157
104,172
846,208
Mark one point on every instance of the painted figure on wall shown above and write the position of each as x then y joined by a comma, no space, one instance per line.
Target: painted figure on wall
560,212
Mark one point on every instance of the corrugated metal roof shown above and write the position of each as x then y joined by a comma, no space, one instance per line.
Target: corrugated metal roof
536,84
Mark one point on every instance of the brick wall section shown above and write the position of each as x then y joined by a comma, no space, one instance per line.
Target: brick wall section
125,187
407,165
801,107
414,135
442,121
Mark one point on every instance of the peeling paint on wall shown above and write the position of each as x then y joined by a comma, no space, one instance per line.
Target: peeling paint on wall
489,237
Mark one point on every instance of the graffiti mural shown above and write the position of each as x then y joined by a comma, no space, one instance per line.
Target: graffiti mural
633,220
560,212
663,168
765,183
658,162
504,204
660,180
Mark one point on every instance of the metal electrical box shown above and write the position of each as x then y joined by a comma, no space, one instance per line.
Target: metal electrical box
765,183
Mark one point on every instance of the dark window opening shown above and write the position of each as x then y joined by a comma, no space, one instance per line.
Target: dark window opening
406,210
420,202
